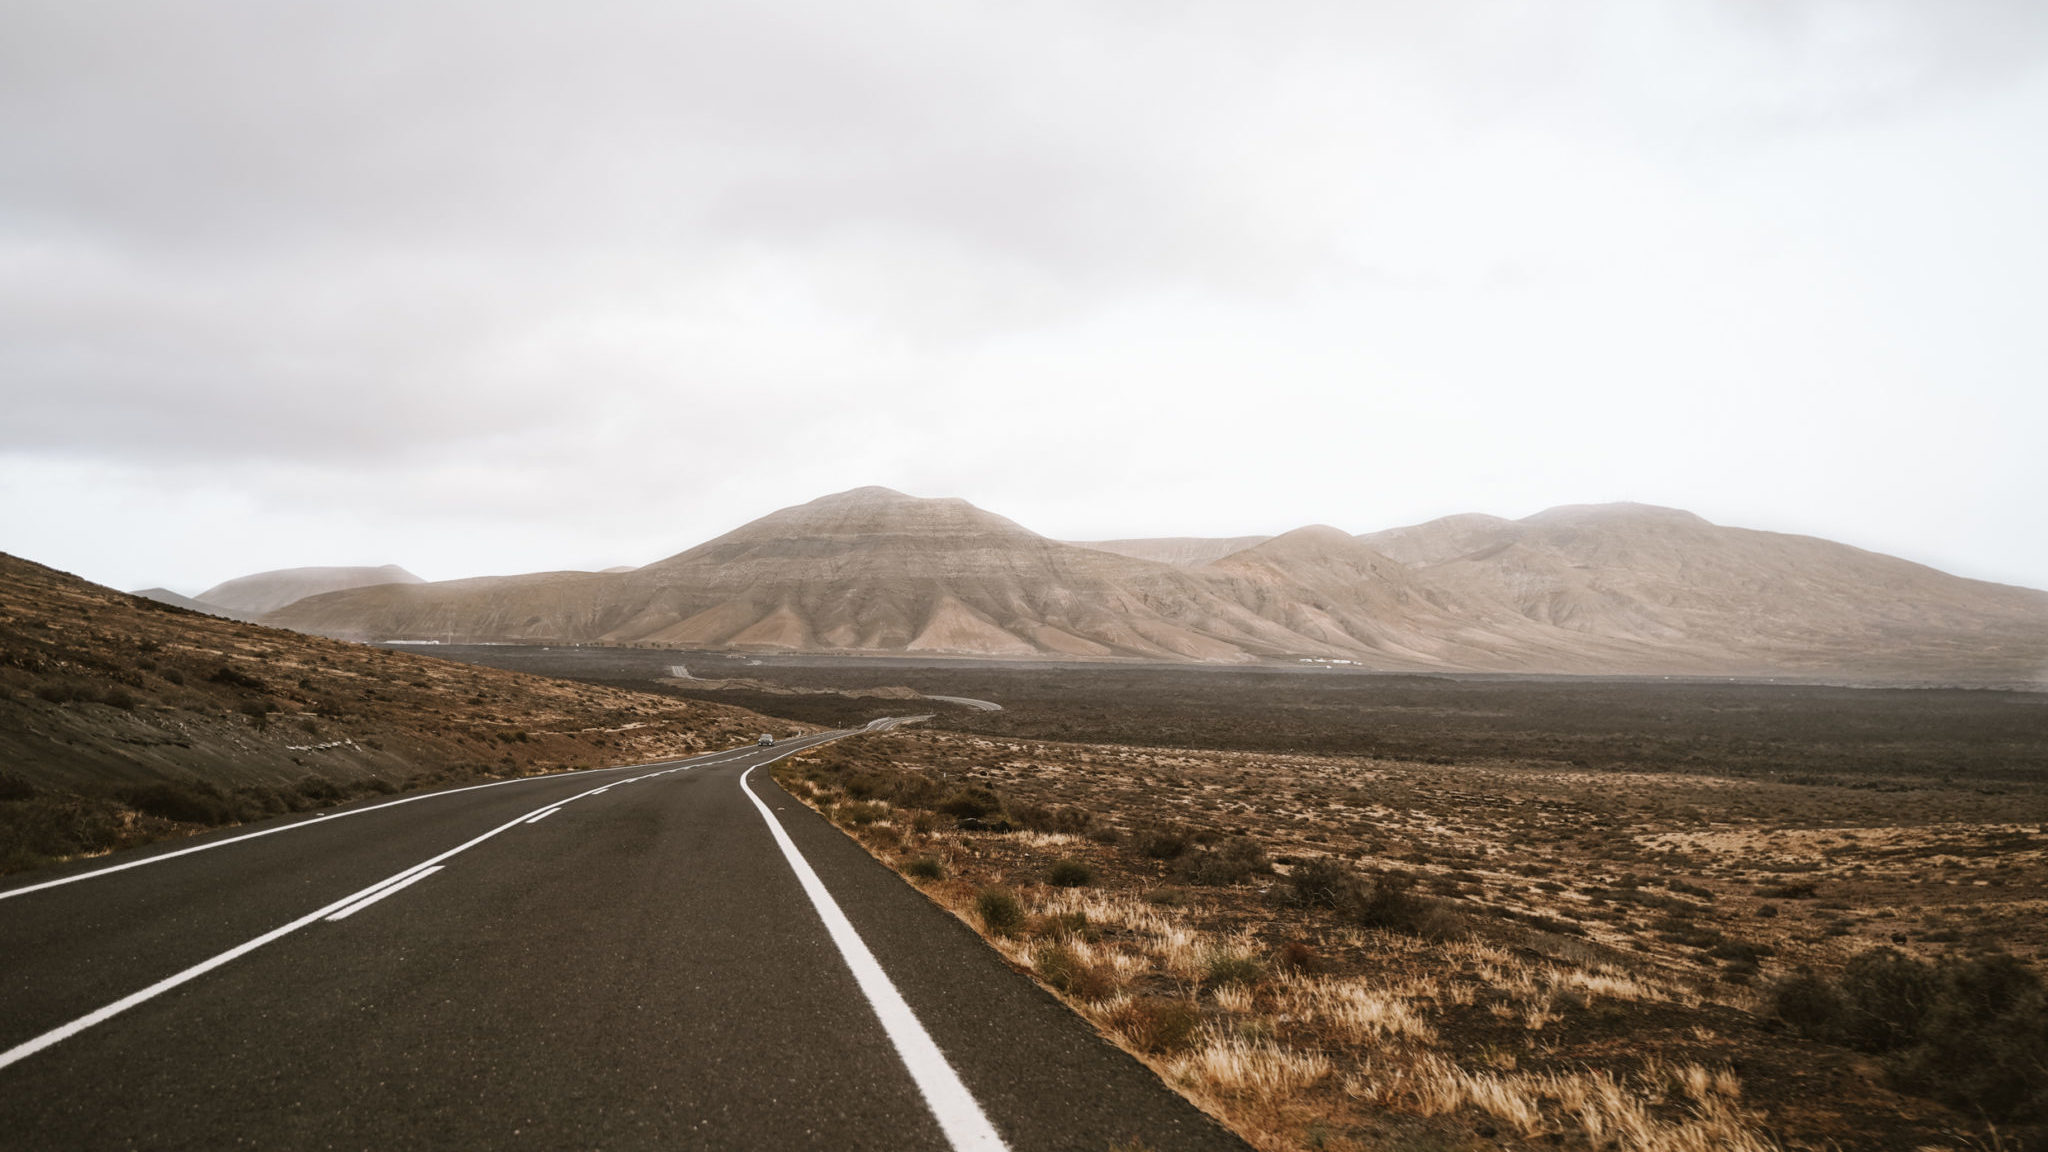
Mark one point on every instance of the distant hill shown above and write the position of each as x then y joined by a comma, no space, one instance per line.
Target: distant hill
166,596
268,591
1440,540
1618,589
1179,551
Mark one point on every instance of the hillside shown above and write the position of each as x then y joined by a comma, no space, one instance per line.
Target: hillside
1609,589
122,719
268,591
1179,551
1668,585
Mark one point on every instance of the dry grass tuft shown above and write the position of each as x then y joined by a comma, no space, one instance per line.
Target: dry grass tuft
1232,1064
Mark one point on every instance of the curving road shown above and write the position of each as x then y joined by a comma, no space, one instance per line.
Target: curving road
673,955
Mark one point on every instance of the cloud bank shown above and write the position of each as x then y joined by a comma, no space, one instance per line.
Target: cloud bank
486,287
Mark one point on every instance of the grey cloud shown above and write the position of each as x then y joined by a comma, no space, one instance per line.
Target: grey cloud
431,238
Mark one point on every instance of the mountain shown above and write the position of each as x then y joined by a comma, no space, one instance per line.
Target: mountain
166,596
1665,581
866,570
1588,589
1179,551
269,591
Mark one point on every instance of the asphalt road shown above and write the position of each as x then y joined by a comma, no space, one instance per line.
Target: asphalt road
622,958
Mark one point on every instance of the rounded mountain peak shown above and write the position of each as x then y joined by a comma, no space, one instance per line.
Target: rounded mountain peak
878,511
1315,544
1618,513
1321,535
838,521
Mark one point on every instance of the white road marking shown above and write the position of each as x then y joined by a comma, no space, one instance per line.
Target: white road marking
702,760
344,905
967,1129
544,815
388,889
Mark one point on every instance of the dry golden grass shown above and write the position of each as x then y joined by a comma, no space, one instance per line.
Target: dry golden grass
1573,1003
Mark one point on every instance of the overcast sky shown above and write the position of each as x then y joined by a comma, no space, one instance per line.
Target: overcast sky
496,287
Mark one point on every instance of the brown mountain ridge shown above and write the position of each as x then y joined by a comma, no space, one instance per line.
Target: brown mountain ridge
1612,589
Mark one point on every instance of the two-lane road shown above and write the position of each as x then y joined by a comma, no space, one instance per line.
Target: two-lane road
667,955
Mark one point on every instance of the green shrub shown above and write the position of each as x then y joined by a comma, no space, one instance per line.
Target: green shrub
867,785
925,868
1065,819
194,802
1231,862
1323,882
1161,842
971,803
1887,995
1972,1033
1392,903
859,812
1741,951
1227,967
315,791
46,826
999,911
1790,890
1069,874
236,678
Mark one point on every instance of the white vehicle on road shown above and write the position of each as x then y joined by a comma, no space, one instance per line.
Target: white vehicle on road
765,740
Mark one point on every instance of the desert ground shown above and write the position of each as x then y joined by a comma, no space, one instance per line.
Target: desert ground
1353,911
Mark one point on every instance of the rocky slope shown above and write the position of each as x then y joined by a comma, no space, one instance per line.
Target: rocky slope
122,718
1604,589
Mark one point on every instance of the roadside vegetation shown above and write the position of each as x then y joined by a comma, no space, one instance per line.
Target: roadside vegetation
1358,953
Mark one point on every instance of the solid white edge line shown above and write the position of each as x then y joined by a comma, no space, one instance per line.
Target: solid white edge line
62,1032
966,1128
222,843
390,890
535,819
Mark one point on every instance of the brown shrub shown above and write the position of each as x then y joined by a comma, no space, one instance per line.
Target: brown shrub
1059,967
1154,1024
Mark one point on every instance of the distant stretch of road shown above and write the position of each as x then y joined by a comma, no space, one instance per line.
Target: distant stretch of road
671,955
969,701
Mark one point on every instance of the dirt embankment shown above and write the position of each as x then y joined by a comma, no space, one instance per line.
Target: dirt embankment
123,720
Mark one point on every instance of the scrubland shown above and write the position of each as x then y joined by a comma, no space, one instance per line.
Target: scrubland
1366,952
